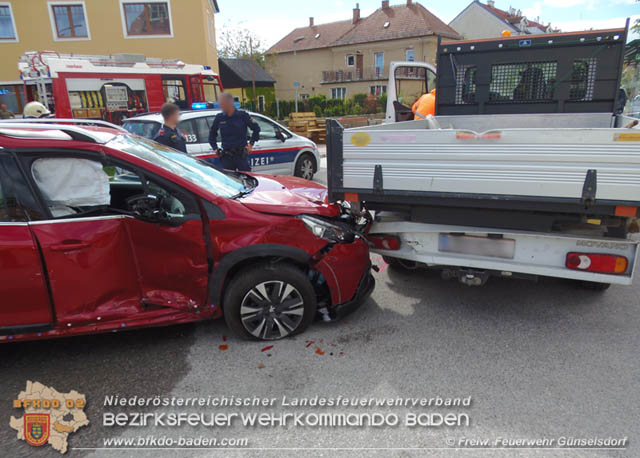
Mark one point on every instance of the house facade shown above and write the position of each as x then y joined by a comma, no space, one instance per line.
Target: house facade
183,29
344,58
485,20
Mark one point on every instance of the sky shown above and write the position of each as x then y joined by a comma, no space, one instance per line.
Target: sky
271,20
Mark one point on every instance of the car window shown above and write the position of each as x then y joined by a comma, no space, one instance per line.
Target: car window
17,201
267,129
202,128
188,129
198,172
146,129
71,186
10,211
210,123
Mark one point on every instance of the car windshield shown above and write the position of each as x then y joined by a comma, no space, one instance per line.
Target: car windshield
198,172
146,129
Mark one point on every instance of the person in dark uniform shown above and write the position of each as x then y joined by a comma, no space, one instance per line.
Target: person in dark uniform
169,135
233,125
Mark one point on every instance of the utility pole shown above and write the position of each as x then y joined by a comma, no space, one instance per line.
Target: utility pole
253,76
295,74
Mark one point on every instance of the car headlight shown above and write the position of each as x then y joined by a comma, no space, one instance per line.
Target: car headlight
331,232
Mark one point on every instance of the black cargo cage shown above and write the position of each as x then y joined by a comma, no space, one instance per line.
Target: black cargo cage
577,72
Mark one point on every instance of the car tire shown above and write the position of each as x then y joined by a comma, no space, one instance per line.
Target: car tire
305,166
254,302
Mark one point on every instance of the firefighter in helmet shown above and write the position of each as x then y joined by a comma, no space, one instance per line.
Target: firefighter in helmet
35,110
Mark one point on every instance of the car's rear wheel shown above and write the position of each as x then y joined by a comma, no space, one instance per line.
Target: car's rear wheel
305,166
269,302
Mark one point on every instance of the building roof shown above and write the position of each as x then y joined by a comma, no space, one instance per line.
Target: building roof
512,17
238,73
404,21
317,36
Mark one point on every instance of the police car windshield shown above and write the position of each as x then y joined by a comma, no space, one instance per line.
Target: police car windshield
199,173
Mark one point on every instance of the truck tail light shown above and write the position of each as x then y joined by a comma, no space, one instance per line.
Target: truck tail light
385,242
597,262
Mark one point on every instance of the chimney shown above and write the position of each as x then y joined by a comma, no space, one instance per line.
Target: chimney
409,2
491,3
356,13
310,22
385,4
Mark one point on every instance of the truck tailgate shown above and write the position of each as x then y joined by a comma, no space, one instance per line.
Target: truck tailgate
548,165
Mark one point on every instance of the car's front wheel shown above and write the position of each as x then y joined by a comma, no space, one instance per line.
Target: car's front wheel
269,302
305,166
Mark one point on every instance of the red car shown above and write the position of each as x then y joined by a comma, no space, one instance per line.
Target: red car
101,230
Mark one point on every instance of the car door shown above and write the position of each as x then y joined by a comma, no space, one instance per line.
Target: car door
25,305
271,154
106,260
86,250
170,250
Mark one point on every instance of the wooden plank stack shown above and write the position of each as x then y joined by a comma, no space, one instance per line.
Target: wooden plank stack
308,125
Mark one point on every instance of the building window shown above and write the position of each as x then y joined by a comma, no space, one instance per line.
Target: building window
410,55
69,21
378,90
351,60
150,18
261,103
339,93
7,24
378,59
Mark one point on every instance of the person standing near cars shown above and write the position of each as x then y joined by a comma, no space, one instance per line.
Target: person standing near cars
233,125
169,135
5,113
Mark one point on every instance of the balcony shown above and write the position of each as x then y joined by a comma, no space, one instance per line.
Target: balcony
354,74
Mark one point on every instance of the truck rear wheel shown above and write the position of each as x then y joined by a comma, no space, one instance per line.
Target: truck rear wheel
594,286
401,263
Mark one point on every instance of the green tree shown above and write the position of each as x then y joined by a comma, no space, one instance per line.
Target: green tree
236,42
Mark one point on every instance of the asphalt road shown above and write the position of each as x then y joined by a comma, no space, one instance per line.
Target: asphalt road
539,360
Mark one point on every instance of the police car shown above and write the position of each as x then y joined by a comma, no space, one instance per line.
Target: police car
278,152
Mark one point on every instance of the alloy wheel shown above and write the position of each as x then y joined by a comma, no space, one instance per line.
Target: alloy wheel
272,310
306,168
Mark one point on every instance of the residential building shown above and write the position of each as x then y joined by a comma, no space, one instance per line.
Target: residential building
484,20
238,77
340,59
183,29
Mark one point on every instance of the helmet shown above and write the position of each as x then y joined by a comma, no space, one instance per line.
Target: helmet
35,110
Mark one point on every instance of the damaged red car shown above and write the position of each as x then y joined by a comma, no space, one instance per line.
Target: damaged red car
103,231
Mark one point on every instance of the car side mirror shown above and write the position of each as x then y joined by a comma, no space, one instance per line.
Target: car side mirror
280,136
147,206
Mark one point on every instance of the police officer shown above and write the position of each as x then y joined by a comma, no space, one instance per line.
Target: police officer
168,134
233,125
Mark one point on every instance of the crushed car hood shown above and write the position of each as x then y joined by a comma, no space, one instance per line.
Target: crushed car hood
285,195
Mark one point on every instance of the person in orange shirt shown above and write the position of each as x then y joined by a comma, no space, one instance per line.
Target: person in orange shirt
425,105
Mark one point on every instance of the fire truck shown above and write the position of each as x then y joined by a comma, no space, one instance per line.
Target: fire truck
116,87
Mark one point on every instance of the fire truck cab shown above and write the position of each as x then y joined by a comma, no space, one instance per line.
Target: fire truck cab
115,87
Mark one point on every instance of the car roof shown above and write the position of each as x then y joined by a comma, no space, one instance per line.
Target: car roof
60,129
184,115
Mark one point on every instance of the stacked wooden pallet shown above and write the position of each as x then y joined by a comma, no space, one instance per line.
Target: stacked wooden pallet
308,125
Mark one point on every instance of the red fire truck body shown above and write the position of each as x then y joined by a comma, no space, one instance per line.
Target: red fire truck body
113,87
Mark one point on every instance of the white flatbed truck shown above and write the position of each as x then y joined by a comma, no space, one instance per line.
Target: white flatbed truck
548,189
